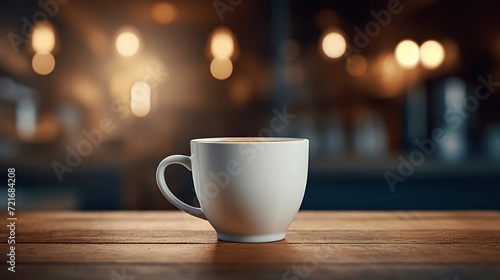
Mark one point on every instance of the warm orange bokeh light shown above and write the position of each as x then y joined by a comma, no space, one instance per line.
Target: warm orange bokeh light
221,68
140,99
127,43
43,64
407,54
43,39
431,54
222,43
163,12
334,45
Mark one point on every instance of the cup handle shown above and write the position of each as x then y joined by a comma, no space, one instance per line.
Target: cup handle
162,184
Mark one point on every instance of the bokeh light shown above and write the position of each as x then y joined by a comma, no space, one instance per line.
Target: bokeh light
221,68
391,80
44,39
389,65
43,64
127,43
140,99
407,54
431,54
120,84
222,43
26,118
163,12
454,93
334,45
356,65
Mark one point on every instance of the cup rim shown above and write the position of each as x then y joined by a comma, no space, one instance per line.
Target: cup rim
263,140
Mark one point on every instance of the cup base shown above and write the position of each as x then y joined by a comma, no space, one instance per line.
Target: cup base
251,238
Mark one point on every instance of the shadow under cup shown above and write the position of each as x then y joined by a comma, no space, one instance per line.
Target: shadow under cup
250,189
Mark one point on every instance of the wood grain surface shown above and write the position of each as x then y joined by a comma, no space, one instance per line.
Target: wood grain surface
319,245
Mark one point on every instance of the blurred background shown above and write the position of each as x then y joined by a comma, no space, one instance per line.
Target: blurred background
398,98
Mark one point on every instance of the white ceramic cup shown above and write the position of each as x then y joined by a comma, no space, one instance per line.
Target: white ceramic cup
249,189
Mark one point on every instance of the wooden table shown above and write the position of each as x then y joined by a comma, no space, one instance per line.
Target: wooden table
319,245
